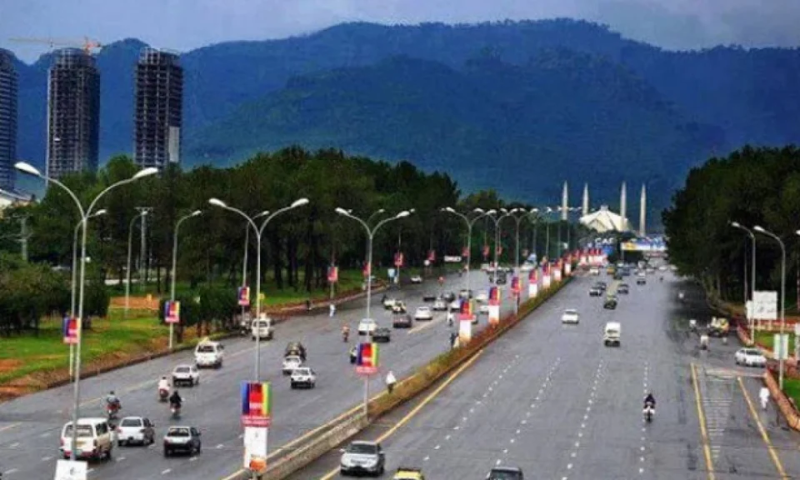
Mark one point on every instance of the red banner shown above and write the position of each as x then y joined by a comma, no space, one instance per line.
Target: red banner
515,286
432,256
532,276
367,271
465,252
398,259
333,274
244,296
486,251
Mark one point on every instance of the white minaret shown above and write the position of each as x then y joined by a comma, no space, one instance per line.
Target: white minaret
585,204
643,212
564,202
623,207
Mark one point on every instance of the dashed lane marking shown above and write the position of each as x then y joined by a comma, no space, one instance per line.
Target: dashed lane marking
703,431
775,459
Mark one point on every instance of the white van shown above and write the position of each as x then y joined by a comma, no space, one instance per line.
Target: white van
611,334
95,439
262,328
209,354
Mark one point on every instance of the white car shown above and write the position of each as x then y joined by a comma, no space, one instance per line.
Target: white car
416,279
262,329
751,357
209,354
303,377
484,309
388,303
440,305
482,297
570,316
594,271
423,313
135,430
455,305
366,326
291,363
186,374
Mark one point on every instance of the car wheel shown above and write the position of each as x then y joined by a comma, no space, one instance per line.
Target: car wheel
196,381
293,386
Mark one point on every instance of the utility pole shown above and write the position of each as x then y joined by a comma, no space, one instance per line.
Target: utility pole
143,253
23,237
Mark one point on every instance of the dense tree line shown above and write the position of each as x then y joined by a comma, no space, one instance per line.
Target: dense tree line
752,186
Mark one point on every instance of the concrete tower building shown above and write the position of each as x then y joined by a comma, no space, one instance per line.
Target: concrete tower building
73,113
643,212
623,207
8,120
159,109
585,204
565,202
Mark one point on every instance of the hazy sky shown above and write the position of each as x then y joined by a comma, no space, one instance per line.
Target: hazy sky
187,24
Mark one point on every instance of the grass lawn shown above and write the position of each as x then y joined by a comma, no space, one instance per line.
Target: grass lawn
26,354
767,338
791,387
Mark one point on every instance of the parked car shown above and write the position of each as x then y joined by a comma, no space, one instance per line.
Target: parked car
209,354
291,363
382,335
416,279
303,377
423,313
95,440
570,315
135,430
505,473
402,321
295,348
183,374
182,439
366,326
751,357
362,457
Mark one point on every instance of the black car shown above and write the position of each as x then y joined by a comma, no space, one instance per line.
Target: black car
505,473
401,321
182,439
429,297
610,304
601,285
623,289
595,291
295,348
382,335
641,281
449,297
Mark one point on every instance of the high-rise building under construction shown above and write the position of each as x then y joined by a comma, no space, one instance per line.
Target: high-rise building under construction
159,109
73,113
8,120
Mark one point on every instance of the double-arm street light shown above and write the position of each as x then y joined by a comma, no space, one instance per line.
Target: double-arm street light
174,264
491,214
142,213
370,235
85,215
470,223
760,229
533,216
259,231
98,213
751,318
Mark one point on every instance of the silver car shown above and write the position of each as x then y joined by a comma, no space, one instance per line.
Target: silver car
362,457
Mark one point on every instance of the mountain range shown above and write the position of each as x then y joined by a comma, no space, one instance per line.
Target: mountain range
516,106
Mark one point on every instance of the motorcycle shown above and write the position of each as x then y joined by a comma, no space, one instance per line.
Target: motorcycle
111,409
353,355
345,335
176,410
649,411
163,394
704,342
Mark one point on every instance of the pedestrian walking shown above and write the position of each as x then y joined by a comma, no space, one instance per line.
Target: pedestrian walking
763,395
390,381
332,309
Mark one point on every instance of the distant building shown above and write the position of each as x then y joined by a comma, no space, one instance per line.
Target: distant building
604,220
159,109
12,199
8,120
73,113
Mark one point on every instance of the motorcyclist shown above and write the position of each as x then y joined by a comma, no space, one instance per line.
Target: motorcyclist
345,332
353,354
450,318
163,385
112,400
650,400
175,400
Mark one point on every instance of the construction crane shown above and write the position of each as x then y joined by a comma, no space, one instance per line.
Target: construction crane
87,45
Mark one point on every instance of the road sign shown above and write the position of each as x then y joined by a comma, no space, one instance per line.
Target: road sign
766,305
781,344
255,448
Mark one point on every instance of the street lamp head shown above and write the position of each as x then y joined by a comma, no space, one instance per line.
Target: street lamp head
300,202
491,212
736,224
342,211
413,210
477,210
380,210
758,228
102,211
27,168
504,210
514,210
217,202
197,212
145,173
534,210
403,214
797,232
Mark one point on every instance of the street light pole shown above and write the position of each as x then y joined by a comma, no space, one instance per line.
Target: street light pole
174,266
142,213
259,231
751,319
783,299
470,224
85,215
246,248
370,236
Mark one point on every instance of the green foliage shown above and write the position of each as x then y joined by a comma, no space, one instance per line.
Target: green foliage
28,292
753,186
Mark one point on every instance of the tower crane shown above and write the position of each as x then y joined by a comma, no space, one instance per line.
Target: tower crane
87,45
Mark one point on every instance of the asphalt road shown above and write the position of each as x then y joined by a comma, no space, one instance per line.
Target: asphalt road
552,400
30,427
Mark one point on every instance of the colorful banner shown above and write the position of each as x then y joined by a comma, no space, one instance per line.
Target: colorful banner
494,296
465,252
516,288
499,250
256,401
432,256
557,272
466,311
244,296
333,274
568,269
70,330
367,270
464,331
398,259
172,311
367,359
533,276
485,252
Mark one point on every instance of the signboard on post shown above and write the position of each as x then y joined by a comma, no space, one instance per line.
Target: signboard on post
781,344
367,359
333,274
172,311
494,305
255,448
516,287
244,296
765,305
69,328
256,400
69,470
452,259
398,259
533,284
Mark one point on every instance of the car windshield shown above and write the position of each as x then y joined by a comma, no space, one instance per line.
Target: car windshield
131,422
504,475
83,431
178,432
292,359
182,369
362,448
570,312
205,349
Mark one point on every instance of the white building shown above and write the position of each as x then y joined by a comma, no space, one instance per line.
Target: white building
604,220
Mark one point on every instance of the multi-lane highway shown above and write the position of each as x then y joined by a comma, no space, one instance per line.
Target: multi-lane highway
30,427
554,401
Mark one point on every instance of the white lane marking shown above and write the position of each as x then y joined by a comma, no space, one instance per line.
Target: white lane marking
437,447
220,446
497,462
44,459
193,458
45,434
165,471
14,445
9,472
426,459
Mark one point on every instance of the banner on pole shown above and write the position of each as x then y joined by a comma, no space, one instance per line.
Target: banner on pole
516,287
333,274
70,329
466,311
244,296
255,448
367,358
432,256
367,270
781,344
494,314
172,311
398,259
485,252
465,252
533,290
256,401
